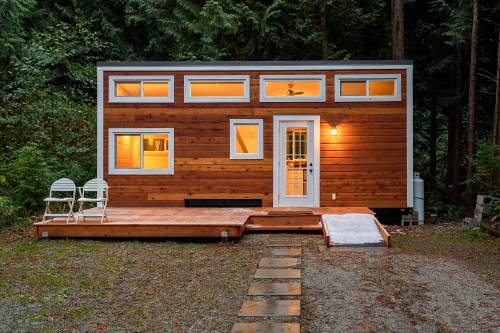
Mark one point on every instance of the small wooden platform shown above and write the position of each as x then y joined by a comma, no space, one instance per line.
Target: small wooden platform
191,222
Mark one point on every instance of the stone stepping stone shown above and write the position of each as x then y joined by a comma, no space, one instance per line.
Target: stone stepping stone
279,262
286,252
274,289
285,244
270,308
277,273
266,328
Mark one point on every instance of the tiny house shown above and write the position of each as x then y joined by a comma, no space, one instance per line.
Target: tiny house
256,133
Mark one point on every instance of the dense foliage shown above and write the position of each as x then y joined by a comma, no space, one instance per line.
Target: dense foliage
49,51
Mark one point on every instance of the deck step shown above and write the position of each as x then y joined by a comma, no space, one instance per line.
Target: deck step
266,328
270,308
305,227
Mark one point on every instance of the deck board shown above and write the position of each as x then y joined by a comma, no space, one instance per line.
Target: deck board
176,222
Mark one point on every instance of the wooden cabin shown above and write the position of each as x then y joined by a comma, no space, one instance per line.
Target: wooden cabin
256,133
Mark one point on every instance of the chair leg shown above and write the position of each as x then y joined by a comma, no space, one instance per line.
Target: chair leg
104,211
46,211
70,213
80,213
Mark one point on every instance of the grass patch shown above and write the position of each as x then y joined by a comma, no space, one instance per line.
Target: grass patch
79,313
48,280
476,248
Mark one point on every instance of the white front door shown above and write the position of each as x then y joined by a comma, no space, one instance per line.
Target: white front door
297,154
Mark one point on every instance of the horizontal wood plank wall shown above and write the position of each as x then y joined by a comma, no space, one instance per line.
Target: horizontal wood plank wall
365,164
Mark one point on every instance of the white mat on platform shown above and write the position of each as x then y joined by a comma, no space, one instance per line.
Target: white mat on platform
353,229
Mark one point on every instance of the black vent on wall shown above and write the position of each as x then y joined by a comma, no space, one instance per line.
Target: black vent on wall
235,203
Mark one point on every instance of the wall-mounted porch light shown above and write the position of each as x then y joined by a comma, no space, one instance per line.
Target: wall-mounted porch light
333,131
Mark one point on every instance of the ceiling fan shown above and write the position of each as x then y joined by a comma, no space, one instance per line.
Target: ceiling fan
290,91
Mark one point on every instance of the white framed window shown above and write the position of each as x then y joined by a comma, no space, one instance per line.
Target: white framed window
141,89
246,139
216,88
141,151
367,87
292,88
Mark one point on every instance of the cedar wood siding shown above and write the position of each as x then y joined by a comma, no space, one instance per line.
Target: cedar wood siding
365,164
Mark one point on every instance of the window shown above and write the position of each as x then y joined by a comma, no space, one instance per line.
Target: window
367,87
141,89
141,151
246,139
292,88
216,88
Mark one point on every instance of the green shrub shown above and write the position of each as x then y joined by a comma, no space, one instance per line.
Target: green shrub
8,211
28,178
486,163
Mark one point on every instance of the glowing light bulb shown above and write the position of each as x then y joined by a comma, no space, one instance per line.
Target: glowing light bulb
333,131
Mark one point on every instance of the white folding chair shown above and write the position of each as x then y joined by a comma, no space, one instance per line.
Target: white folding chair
66,186
100,188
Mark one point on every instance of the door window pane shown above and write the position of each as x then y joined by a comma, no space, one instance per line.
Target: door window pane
353,88
247,139
310,88
296,161
128,89
381,87
155,147
155,89
128,151
217,89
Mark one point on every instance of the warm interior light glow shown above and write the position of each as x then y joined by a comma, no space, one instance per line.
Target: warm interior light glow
353,88
381,87
155,89
128,151
155,147
293,88
217,89
127,89
247,138
333,131
296,161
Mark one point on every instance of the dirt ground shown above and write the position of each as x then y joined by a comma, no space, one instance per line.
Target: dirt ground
435,279
425,283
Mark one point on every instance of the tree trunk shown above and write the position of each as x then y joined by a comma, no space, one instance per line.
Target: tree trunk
324,29
495,174
397,18
496,115
433,147
454,132
471,129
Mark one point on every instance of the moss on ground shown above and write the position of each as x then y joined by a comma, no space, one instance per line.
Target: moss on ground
477,249
116,285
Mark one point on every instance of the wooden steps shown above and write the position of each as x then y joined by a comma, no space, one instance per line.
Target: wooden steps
300,220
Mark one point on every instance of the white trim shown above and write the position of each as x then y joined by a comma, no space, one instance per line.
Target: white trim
250,67
100,125
294,99
367,98
111,152
409,136
142,78
260,137
217,99
276,151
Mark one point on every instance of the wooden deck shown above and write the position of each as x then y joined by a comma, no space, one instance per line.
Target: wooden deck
192,222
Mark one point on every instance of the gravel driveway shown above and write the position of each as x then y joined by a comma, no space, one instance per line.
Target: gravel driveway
365,290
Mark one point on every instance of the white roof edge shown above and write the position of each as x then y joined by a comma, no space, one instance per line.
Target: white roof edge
252,67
